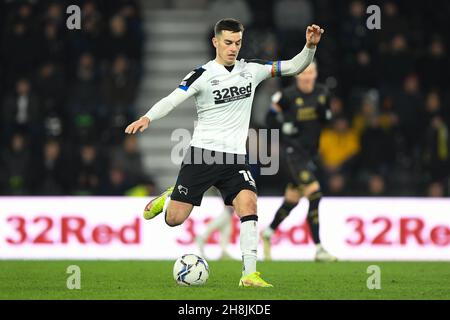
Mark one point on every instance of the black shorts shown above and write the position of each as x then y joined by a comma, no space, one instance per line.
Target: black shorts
229,175
302,167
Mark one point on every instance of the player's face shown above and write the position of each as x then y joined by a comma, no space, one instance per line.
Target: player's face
307,79
227,46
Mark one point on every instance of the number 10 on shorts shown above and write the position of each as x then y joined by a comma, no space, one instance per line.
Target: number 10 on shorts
248,177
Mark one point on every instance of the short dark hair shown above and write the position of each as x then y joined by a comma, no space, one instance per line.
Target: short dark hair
228,24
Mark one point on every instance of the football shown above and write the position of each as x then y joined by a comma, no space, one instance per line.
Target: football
190,270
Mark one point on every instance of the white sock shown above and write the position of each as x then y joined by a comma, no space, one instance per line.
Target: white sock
249,243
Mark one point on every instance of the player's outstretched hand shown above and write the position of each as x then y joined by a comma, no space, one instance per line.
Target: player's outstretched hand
313,35
140,125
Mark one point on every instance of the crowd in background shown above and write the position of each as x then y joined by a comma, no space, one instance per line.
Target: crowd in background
66,96
389,89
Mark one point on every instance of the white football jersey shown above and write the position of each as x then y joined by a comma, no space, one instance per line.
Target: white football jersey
224,100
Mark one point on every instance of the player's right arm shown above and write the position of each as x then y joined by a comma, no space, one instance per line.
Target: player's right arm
188,88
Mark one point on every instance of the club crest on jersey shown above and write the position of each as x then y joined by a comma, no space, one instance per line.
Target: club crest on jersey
299,101
232,94
245,75
321,99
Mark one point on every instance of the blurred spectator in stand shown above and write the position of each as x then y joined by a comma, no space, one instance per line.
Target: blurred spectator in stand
128,158
432,65
118,90
433,108
129,11
436,142
392,23
21,111
15,162
119,41
52,46
435,190
354,35
26,14
395,63
363,71
336,185
363,75
117,183
17,57
407,106
55,15
90,37
50,86
145,187
363,117
338,146
376,186
377,147
49,174
336,106
89,171
84,100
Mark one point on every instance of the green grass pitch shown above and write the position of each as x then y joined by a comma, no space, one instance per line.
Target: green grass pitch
292,281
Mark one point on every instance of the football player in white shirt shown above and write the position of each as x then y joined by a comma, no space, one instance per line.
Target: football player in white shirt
223,89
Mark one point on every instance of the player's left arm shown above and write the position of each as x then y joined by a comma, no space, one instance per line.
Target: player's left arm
302,60
266,69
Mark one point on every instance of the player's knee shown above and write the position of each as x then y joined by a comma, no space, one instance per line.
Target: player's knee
245,203
311,189
247,206
292,198
173,222
292,194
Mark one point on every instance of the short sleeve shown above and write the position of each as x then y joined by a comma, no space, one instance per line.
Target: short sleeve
191,82
264,69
